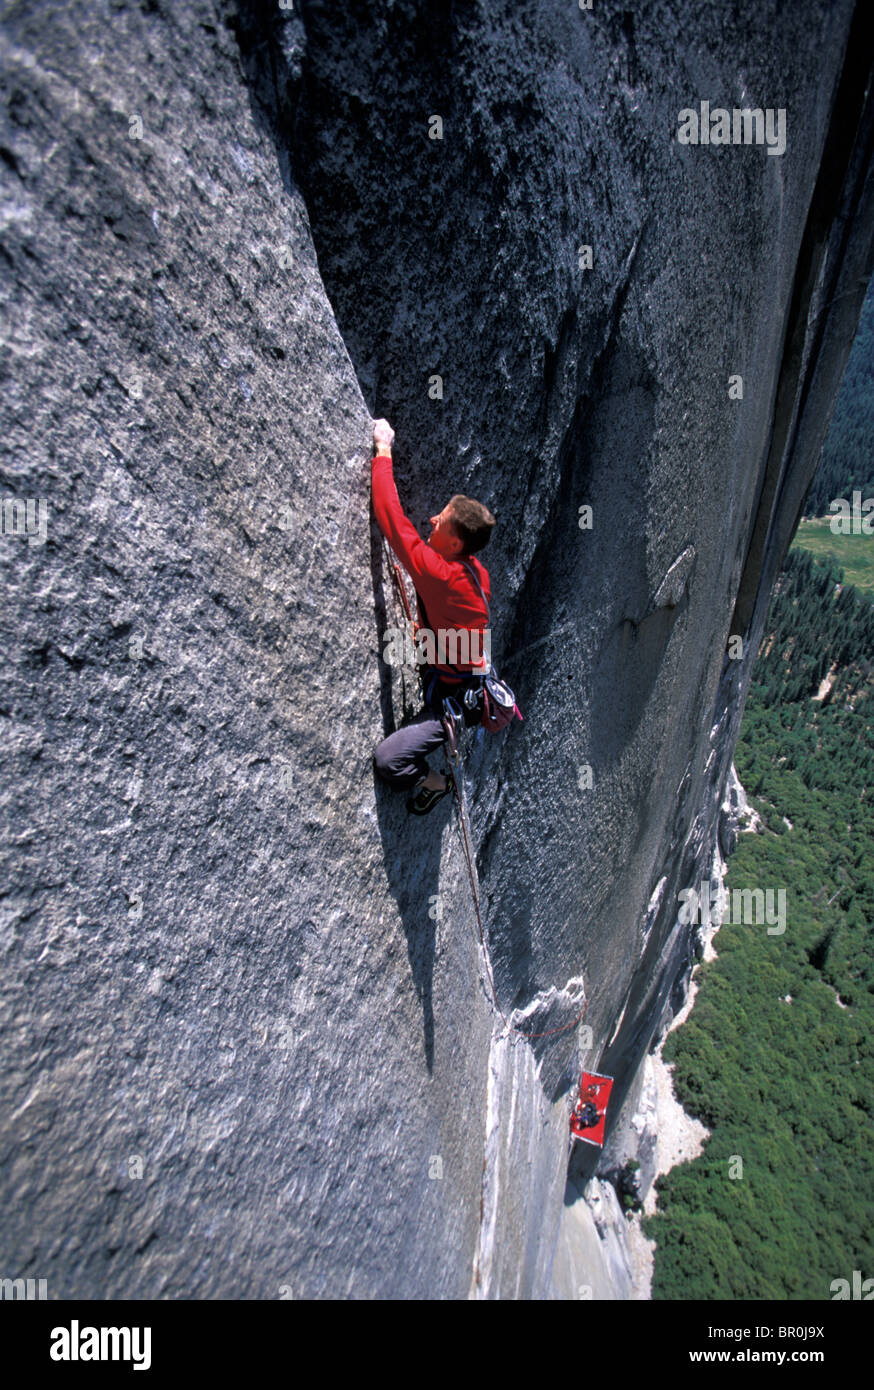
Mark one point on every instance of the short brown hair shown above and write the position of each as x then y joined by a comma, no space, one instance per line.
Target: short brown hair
471,522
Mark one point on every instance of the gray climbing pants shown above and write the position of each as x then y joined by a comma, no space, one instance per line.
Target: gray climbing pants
400,758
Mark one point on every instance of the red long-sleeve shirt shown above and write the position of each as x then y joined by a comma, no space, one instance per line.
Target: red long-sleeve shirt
448,597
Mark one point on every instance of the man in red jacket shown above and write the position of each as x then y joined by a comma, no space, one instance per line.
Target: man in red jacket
453,593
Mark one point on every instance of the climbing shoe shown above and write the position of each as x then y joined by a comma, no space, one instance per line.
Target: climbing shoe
424,798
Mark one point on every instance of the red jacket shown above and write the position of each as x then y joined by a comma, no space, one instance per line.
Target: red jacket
448,597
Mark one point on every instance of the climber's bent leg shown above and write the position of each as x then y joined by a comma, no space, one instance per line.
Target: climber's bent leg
400,758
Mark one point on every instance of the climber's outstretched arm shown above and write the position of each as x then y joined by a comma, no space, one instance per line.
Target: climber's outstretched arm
423,564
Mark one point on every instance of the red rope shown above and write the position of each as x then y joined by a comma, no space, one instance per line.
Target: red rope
402,590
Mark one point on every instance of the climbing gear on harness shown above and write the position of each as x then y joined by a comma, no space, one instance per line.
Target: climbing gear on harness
473,700
425,798
452,718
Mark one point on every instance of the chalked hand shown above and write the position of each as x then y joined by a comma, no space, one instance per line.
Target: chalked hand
383,434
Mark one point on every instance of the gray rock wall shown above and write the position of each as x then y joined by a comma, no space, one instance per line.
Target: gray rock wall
248,1041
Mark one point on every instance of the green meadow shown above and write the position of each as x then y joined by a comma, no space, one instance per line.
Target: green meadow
853,554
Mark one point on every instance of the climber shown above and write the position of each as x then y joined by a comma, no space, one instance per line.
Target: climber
455,587
586,1114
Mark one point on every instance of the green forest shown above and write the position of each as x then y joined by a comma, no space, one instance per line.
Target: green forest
777,1057
847,459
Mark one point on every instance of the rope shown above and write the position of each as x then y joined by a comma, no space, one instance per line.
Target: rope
401,588
454,766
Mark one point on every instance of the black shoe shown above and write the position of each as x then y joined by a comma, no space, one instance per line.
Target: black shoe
424,799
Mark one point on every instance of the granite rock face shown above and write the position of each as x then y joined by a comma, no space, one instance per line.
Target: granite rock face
248,1039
